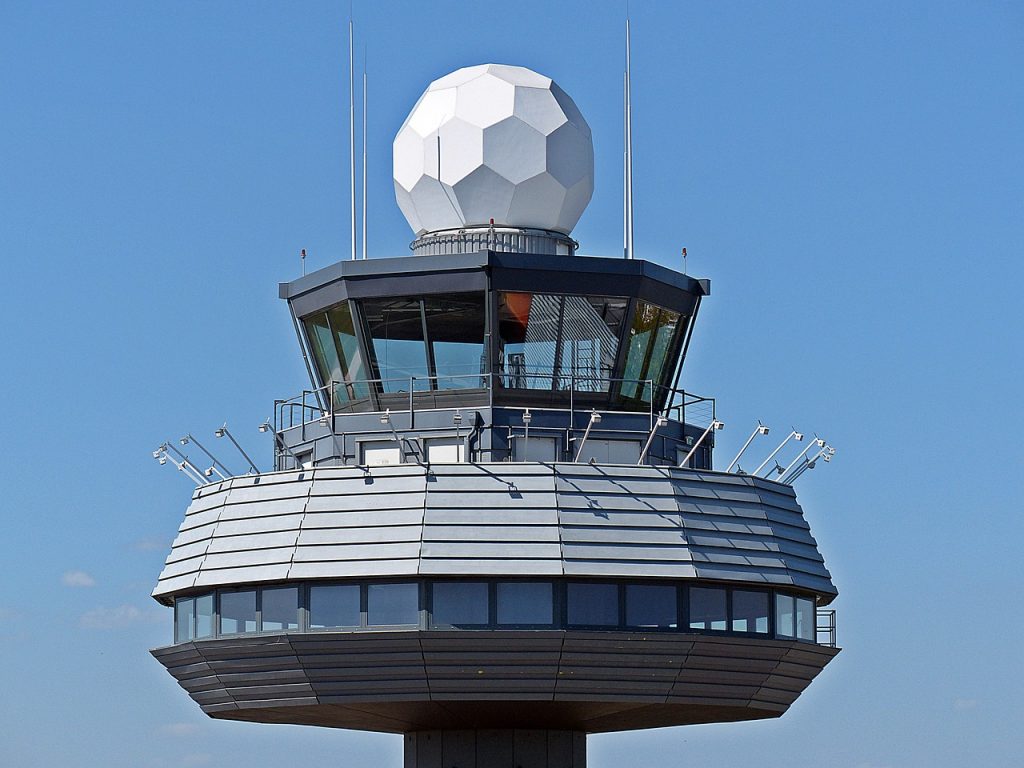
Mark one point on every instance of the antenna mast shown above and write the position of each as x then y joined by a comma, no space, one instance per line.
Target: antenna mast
364,152
629,155
352,134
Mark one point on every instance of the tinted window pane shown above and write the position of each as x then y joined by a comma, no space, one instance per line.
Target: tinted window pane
521,602
393,604
650,339
460,602
651,605
527,336
237,612
707,608
590,340
280,609
805,619
749,611
593,605
343,330
399,350
184,620
784,609
455,325
334,606
204,616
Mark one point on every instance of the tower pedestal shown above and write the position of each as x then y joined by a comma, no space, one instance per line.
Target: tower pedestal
496,749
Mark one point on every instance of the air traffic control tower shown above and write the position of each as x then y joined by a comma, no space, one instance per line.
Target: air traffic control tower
493,524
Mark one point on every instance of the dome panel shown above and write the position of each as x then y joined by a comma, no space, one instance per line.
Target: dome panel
462,150
408,208
514,150
484,195
432,111
485,100
537,107
537,202
499,126
570,155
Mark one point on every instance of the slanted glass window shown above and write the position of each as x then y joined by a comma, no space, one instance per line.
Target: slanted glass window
184,619
805,629
593,605
460,603
455,328
525,602
237,612
785,609
279,609
749,611
708,608
650,341
651,606
204,616
399,349
332,339
334,605
392,604
550,341
590,328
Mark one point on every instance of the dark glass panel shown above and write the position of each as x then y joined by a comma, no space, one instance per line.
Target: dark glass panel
399,349
343,328
525,602
279,609
455,327
749,611
184,619
237,612
651,605
784,615
708,608
457,603
204,616
593,605
650,340
335,605
590,341
527,339
318,331
805,629
389,604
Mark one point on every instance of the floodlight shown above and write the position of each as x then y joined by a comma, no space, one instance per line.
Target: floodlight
184,440
595,418
264,427
658,424
324,418
220,431
457,418
527,417
385,418
760,429
163,459
156,454
715,424
794,435
223,431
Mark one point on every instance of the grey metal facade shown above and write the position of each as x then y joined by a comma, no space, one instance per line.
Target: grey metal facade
509,519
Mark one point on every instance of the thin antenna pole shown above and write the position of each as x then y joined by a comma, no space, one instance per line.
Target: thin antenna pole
352,133
364,154
629,151
625,168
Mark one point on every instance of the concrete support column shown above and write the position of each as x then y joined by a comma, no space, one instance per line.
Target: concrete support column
496,749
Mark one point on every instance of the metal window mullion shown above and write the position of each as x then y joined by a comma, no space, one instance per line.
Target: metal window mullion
429,343
559,330
621,354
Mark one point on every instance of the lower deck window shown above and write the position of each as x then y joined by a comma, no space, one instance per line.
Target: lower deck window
592,605
651,606
749,611
525,603
708,608
334,606
460,603
392,604
237,612
279,609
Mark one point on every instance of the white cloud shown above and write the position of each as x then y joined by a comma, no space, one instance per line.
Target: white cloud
116,618
77,579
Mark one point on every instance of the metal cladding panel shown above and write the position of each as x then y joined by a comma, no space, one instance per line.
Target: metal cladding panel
416,680
516,519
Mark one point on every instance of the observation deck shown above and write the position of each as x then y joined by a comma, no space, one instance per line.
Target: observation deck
495,493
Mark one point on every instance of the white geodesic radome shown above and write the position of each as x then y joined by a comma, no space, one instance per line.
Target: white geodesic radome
494,142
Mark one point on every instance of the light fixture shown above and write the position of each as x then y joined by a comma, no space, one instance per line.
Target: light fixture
324,418
385,418
794,435
760,429
457,418
715,424
595,418
222,431
527,417
264,427
817,441
183,440
658,424
222,471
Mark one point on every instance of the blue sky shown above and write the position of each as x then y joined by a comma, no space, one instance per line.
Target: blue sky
849,176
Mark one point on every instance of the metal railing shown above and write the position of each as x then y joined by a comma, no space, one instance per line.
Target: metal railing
825,627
